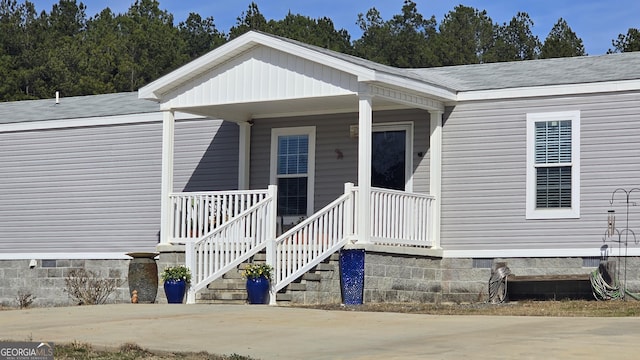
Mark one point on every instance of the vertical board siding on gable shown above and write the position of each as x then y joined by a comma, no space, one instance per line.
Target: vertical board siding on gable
86,189
264,74
332,133
205,155
484,166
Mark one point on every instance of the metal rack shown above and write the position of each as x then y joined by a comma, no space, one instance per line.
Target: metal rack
622,236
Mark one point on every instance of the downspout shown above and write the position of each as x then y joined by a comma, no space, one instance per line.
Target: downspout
435,175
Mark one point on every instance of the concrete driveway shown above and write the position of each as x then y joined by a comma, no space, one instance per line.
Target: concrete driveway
267,332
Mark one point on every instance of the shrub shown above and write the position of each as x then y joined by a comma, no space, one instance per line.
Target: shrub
86,288
24,299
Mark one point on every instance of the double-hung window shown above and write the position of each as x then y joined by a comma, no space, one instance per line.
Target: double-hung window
292,169
553,165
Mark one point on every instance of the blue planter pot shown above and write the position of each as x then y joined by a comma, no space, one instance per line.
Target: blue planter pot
352,276
258,290
174,289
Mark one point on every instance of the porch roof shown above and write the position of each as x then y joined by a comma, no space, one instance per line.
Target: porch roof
261,75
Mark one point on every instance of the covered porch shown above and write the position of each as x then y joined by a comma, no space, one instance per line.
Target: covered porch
287,95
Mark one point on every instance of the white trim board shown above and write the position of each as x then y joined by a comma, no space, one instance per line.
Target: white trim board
91,121
539,253
549,90
65,256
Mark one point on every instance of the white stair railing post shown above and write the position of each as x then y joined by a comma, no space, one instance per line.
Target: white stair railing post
189,259
348,216
271,220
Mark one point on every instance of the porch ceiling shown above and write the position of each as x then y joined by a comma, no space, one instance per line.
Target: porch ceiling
240,112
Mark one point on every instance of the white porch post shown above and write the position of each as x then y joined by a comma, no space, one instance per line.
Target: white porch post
168,129
435,175
271,240
364,168
244,156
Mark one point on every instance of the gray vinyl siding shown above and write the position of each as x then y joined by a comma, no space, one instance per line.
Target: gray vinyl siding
484,169
205,155
332,133
85,189
96,189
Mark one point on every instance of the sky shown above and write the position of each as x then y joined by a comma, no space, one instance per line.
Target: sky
596,22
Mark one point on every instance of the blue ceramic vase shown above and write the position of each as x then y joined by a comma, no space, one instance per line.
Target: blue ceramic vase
258,290
352,276
174,289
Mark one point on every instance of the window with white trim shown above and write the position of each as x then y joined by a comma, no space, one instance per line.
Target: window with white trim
292,169
553,165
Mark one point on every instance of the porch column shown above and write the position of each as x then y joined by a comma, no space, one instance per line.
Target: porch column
244,156
166,187
364,168
435,174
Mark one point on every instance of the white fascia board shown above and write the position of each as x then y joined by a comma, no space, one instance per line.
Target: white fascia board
539,253
552,90
416,85
154,90
91,121
65,256
79,122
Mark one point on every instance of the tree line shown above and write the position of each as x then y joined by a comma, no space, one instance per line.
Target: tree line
64,50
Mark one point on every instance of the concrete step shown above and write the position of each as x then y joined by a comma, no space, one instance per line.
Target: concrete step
296,287
223,295
284,297
234,274
325,267
311,277
225,302
260,257
227,284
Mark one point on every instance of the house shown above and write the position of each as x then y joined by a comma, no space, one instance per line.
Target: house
469,165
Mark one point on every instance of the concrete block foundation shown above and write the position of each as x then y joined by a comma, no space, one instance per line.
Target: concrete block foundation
389,277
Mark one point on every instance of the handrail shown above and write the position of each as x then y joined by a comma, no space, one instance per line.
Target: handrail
230,244
313,240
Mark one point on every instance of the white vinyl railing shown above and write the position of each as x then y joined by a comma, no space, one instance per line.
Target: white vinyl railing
198,213
400,218
313,240
232,243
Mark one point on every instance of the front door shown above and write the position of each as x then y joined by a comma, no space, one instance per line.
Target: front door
390,157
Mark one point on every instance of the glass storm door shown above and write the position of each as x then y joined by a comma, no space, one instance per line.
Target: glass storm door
389,159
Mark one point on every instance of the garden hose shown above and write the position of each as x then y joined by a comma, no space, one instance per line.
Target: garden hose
498,285
602,290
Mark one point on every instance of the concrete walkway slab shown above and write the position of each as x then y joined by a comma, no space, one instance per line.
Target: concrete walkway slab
267,332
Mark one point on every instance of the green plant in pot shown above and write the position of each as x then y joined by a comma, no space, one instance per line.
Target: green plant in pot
175,279
258,277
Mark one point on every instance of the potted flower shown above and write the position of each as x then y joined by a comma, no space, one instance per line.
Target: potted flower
258,276
176,278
